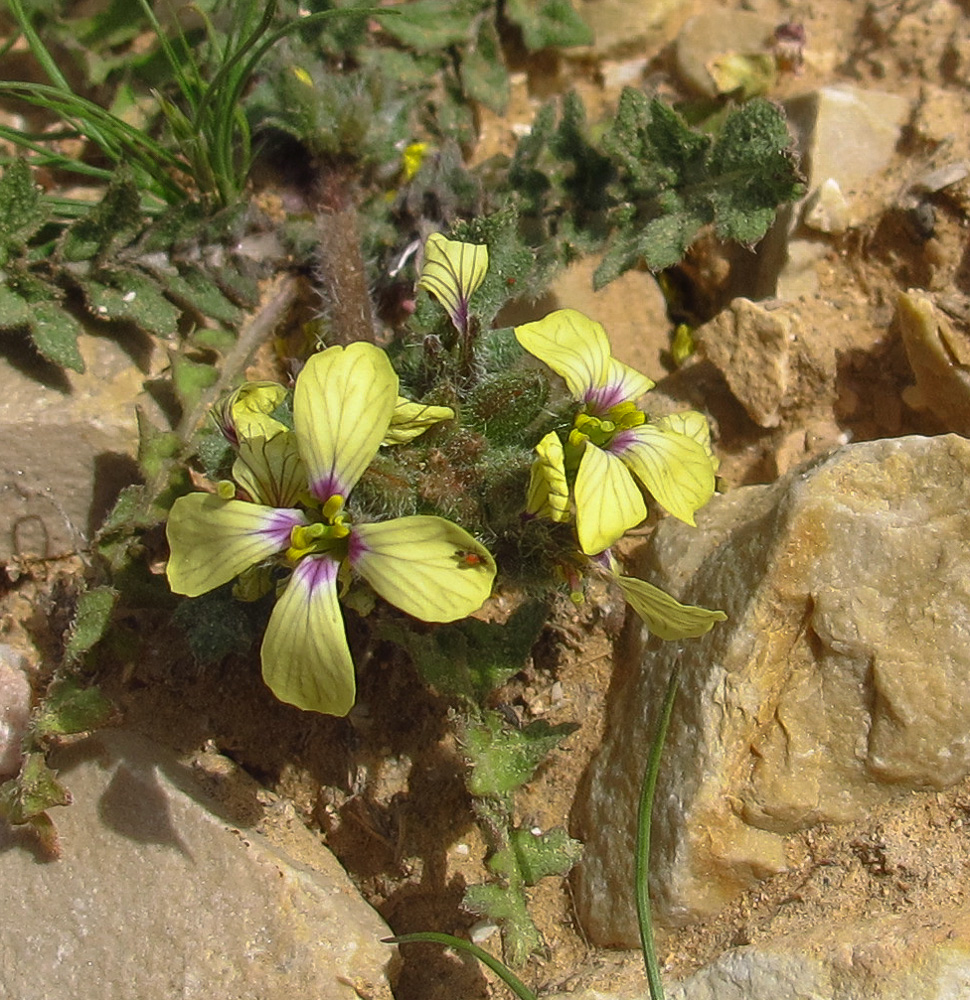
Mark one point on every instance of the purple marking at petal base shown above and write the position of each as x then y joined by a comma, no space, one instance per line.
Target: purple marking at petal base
355,547
316,571
598,401
621,442
280,523
328,486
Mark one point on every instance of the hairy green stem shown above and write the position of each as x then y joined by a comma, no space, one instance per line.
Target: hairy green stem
644,815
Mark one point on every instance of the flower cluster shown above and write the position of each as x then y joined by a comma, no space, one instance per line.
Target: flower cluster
295,485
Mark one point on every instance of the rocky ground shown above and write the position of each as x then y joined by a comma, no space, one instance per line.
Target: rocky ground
811,835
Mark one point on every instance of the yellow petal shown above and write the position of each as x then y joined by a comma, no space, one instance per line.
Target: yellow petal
306,660
342,407
608,501
674,467
666,617
452,271
548,494
695,426
213,540
410,420
424,565
271,471
246,411
621,384
575,347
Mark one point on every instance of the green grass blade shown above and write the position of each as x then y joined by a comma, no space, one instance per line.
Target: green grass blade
37,47
499,968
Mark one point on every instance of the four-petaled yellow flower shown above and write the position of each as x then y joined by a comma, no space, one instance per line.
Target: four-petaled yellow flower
345,404
612,444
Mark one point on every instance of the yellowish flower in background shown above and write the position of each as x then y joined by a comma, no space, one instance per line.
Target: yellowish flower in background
612,444
299,481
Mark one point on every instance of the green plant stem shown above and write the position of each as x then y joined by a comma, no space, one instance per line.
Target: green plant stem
499,968
644,815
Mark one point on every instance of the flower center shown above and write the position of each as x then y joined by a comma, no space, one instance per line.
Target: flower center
600,430
329,534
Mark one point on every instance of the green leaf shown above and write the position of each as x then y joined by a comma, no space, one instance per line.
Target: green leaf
502,759
483,72
14,309
548,24
550,853
754,162
156,448
70,708
112,223
663,242
192,289
22,212
54,333
191,379
91,620
507,906
34,790
215,625
127,295
428,25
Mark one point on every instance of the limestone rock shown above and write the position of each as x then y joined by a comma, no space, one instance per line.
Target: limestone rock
847,139
939,353
157,896
840,680
772,365
621,26
14,708
916,957
69,442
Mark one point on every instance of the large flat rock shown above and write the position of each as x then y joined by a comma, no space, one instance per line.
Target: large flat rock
158,896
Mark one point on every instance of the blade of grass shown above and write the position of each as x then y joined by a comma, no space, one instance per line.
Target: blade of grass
499,968
644,817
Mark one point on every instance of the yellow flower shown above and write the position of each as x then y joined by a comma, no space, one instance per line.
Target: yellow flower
344,405
452,272
612,444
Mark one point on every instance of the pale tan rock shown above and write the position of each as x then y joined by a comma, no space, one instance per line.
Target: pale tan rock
772,364
913,956
158,894
939,353
622,26
840,680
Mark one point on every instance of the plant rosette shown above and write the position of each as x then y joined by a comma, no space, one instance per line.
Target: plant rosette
297,483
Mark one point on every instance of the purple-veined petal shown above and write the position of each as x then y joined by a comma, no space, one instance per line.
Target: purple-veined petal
452,272
214,540
271,470
608,501
665,616
575,347
548,494
342,407
675,468
424,565
621,384
306,659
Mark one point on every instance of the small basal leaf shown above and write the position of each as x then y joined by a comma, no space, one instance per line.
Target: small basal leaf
112,223
191,289
503,759
94,608
132,296
54,333
542,854
21,210
14,309
70,708
430,25
33,791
